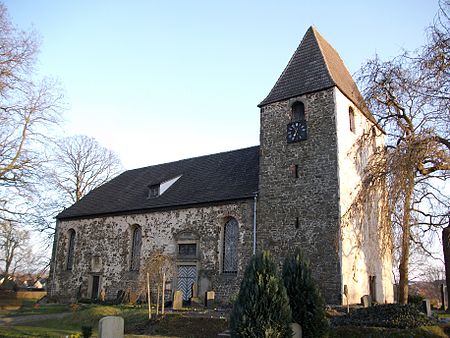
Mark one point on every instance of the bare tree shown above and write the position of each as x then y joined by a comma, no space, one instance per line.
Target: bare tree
13,247
76,165
81,164
159,267
410,97
27,108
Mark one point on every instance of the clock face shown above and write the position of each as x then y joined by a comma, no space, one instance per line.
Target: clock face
296,131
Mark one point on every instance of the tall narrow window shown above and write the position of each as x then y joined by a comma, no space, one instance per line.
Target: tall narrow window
298,111
230,241
70,251
351,119
136,249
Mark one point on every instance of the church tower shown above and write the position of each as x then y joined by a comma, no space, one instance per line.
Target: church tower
310,123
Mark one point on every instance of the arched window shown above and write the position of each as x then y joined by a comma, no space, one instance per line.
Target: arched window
136,248
230,242
298,111
351,119
70,251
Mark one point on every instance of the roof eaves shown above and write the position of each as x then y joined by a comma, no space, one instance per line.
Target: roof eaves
156,208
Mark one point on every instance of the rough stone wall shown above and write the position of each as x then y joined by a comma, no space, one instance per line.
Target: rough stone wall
312,197
103,246
363,253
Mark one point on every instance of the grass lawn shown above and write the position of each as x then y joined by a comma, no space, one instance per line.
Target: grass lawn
27,331
182,325
136,322
86,315
29,307
175,325
379,332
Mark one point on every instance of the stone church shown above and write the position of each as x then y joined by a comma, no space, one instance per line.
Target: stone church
210,214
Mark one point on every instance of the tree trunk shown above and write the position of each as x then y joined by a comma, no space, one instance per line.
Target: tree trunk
446,247
405,246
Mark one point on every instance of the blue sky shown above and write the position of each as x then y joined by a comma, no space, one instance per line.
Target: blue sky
157,81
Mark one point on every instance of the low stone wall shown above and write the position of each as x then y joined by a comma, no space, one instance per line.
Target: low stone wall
34,295
15,298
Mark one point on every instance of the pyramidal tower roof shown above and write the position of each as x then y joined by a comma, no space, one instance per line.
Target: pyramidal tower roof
315,66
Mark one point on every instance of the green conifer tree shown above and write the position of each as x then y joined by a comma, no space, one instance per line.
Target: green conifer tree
307,304
262,306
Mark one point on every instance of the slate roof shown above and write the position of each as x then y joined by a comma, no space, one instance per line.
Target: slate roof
213,178
315,66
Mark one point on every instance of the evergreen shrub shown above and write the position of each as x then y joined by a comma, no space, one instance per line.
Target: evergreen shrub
262,306
307,304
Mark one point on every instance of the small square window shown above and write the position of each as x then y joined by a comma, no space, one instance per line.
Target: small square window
187,250
351,118
153,191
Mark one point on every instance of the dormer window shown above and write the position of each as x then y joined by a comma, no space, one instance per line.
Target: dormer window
153,191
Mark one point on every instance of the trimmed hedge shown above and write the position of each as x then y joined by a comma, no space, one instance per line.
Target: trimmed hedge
385,315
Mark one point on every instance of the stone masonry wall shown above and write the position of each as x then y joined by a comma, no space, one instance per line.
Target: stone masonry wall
103,245
313,197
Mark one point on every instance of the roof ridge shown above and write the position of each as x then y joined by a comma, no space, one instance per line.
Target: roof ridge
288,64
191,158
355,95
319,38
303,74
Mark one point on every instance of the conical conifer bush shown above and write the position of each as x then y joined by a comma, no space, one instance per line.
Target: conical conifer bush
307,304
262,307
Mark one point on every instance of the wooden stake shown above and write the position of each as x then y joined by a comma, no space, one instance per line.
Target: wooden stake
157,300
163,292
149,299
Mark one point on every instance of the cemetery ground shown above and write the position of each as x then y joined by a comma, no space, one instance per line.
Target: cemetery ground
190,322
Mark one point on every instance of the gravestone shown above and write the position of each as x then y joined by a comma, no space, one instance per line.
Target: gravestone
225,334
296,330
366,301
426,307
443,289
177,300
102,295
194,290
111,326
194,298
209,299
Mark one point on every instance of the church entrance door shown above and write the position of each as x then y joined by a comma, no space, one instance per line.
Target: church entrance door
187,275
